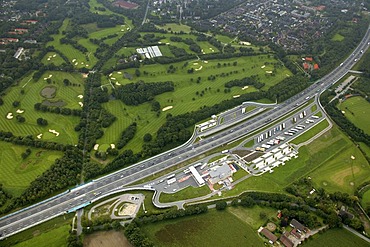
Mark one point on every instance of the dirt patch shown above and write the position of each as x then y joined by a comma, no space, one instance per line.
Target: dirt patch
339,177
106,239
24,165
38,153
59,103
253,156
242,153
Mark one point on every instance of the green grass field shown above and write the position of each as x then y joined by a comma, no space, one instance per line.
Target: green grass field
176,28
62,124
337,37
187,193
365,202
336,237
52,58
185,90
357,110
211,229
16,173
311,133
327,160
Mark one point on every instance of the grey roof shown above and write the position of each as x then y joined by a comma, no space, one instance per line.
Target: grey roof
220,171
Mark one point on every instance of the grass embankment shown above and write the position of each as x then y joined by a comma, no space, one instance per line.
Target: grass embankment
311,133
213,228
357,110
51,233
187,193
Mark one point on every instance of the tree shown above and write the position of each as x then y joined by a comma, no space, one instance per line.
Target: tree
247,201
147,137
221,205
66,82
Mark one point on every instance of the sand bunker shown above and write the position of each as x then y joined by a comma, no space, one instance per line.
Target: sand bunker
127,209
112,146
49,59
39,136
56,133
200,68
195,63
118,84
246,87
263,66
20,111
205,61
50,76
87,65
167,43
76,63
82,62
9,116
122,30
80,96
119,72
167,108
73,60
110,74
269,72
244,43
54,55
113,78
96,146
343,112
81,104
45,78
353,157
236,96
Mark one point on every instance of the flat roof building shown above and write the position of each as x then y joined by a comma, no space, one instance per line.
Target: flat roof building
197,176
220,173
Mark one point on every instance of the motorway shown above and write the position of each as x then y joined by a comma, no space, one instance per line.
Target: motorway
81,196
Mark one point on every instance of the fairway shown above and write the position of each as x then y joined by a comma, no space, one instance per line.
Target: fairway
365,202
52,58
214,228
188,94
357,110
17,173
336,237
32,95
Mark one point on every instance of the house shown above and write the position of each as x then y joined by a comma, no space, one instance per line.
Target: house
306,66
316,66
31,22
310,59
284,239
296,234
297,225
220,173
271,237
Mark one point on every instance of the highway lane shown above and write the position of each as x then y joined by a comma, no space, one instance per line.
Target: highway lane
84,194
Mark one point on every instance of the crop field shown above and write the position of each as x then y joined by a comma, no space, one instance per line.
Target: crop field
187,193
52,58
327,160
357,110
62,124
17,173
176,28
336,237
185,95
106,239
214,228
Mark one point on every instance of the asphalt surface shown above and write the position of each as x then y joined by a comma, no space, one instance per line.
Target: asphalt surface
83,195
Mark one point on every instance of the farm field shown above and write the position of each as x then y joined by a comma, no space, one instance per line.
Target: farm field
52,58
214,228
336,237
185,95
327,160
357,110
106,239
17,173
32,95
187,193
